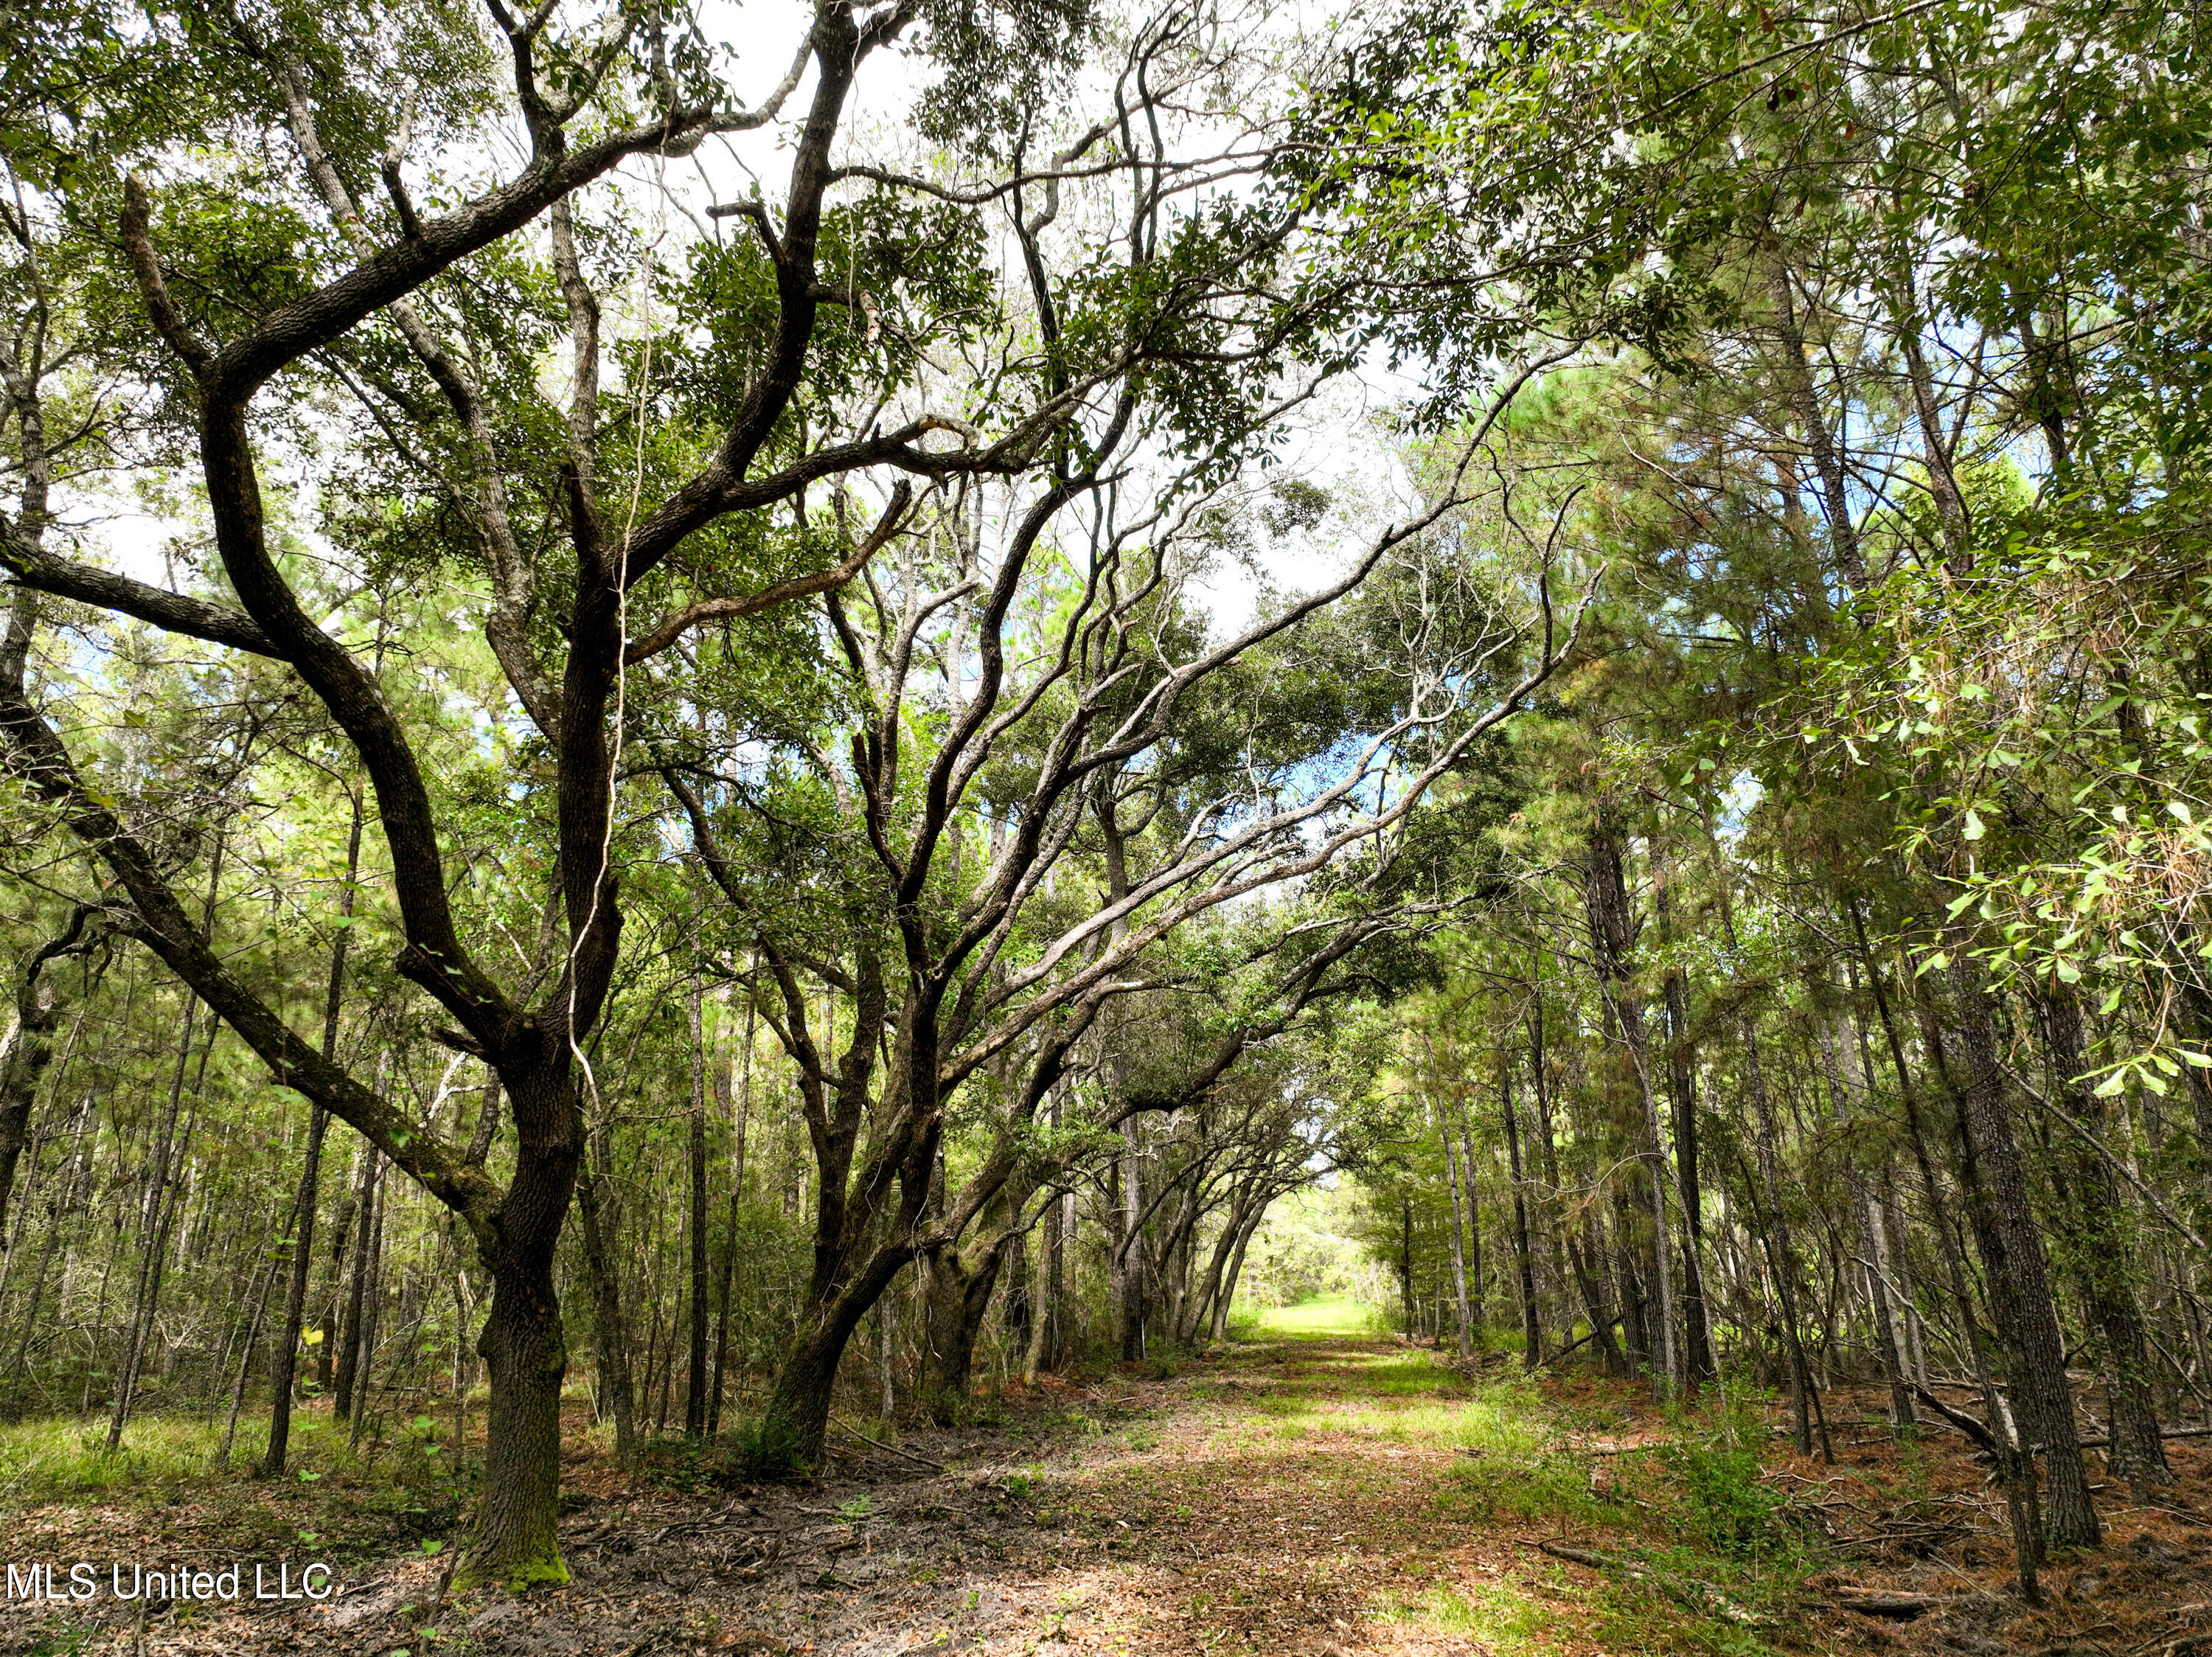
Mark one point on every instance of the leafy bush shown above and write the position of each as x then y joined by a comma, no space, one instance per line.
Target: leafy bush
1730,1508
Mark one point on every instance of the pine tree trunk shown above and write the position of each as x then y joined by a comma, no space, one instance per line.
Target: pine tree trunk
159,1212
1478,1291
1611,930
2096,1209
1869,1223
1782,1252
739,1121
259,1296
694,1391
2016,1470
1130,1303
1532,1338
348,1358
1458,1241
372,1315
2019,1282
610,1327
78,1170
1682,1094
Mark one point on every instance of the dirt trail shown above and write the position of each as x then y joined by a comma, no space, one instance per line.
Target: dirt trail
1294,1495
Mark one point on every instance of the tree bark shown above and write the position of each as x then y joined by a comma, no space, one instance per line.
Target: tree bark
741,1120
1228,1296
523,1345
958,1296
1531,1337
1827,461
1129,1253
356,1307
1782,1250
2020,1284
610,1327
1458,1242
1868,1217
1613,932
160,1209
1045,1312
694,1392
27,1048
2107,1269
1682,1093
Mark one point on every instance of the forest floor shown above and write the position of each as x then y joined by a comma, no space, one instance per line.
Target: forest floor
1309,1490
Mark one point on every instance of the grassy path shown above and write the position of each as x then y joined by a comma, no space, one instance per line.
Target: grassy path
1314,1491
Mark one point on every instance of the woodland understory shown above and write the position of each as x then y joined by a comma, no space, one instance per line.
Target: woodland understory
727,742
1307,1488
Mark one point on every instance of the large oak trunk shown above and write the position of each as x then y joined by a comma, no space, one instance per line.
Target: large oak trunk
798,1417
525,1352
516,1543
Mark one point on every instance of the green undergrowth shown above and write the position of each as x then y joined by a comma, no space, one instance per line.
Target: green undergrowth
1499,1617
1692,1514
398,1485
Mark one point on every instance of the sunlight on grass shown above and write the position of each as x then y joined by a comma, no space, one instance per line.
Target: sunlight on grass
1497,1616
66,1458
58,1457
1329,1318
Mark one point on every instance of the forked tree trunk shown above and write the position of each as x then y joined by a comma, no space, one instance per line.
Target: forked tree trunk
959,1295
1203,1304
1228,1295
